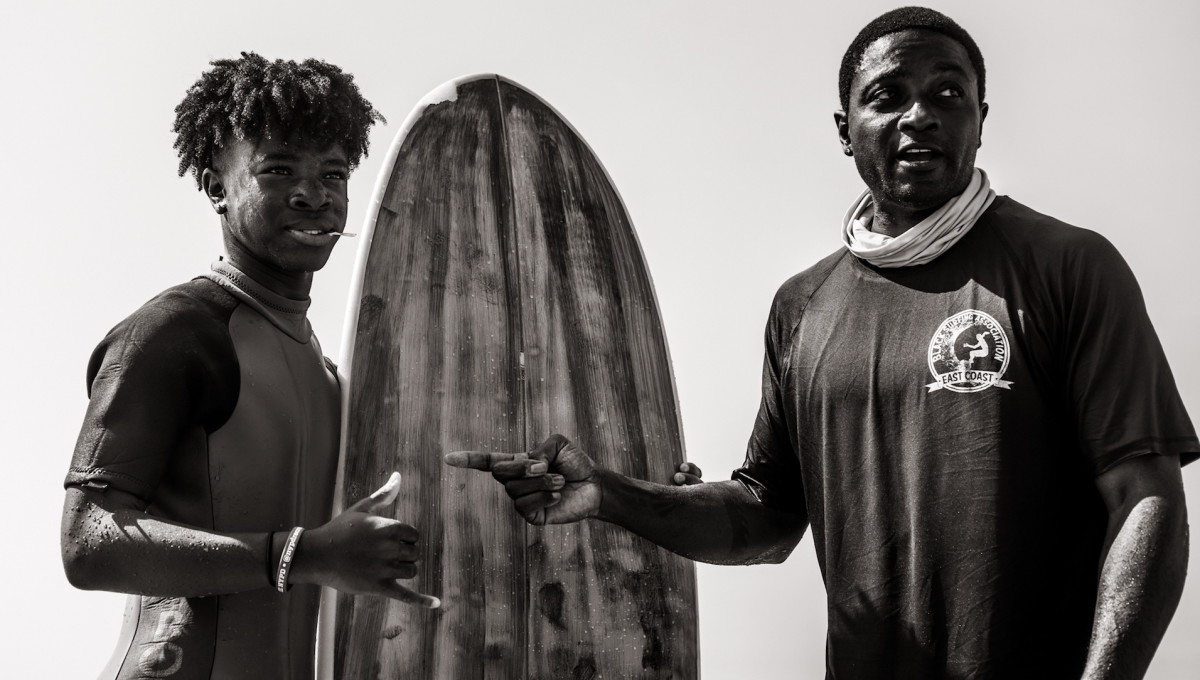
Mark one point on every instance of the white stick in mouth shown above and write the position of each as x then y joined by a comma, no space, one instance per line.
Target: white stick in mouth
315,232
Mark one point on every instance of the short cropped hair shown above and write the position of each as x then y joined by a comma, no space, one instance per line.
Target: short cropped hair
898,20
311,102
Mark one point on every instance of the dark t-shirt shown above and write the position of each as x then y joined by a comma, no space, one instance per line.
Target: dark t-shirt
214,406
941,427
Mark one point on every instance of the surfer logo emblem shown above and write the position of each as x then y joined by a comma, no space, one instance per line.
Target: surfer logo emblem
968,353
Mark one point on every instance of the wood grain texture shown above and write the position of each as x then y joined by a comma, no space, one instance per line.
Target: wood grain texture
500,238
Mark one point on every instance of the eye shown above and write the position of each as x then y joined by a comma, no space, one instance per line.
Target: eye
278,170
883,94
337,174
950,91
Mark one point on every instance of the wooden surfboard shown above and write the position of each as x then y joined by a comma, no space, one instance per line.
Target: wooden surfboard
501,296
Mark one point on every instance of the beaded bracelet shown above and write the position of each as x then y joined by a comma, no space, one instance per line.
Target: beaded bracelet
285,560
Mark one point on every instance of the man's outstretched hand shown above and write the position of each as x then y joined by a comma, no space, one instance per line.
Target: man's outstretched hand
361,552
555,483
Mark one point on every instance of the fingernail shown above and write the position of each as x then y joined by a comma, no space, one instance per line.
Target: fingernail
435,603
684,467
539,468
679,476
557,480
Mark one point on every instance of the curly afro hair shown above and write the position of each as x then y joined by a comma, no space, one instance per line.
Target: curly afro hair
312,102
898,20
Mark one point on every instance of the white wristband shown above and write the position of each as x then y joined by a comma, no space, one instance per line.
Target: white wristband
285,560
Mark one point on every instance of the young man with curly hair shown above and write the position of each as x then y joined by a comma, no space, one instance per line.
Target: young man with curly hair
211,436
967,404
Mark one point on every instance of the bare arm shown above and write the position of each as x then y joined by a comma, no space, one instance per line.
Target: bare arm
720,522
110,543
1142,567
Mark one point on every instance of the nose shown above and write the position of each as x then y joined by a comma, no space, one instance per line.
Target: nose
309,194
919,116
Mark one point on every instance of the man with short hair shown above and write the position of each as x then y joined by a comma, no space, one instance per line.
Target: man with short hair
967,404
211,435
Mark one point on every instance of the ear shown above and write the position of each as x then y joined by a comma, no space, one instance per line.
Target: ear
983,109
843,127
214,189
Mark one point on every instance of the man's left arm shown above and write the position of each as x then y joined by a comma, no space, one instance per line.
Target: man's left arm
1142,567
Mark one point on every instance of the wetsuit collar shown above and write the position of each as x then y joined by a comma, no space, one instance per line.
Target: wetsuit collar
289,316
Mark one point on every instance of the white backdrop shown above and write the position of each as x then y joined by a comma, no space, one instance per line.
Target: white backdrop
713,121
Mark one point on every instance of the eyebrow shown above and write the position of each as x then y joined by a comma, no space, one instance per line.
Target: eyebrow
284,156
948,66
902,72
278,156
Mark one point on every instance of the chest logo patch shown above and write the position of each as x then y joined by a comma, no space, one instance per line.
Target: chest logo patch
968,353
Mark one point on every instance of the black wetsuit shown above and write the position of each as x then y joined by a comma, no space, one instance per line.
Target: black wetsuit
214,405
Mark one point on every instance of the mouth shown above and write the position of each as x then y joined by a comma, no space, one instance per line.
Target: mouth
316,236
918,156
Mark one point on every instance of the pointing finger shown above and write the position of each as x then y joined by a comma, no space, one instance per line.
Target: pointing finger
382,497
480,460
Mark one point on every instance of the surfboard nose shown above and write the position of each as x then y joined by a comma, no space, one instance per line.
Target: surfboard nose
501,295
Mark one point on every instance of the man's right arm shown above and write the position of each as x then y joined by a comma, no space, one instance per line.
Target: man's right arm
716,522
165,371
720,523
110,543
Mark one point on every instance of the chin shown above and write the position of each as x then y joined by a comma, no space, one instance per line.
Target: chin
932,191
924,196
305,265
313,267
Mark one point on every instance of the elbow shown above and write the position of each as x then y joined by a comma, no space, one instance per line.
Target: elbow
80,565
775,554
771,547
743,557
91,562
761,534
95,568
86,546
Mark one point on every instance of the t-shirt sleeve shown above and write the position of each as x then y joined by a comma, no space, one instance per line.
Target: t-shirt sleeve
771,470
1120,386
157,375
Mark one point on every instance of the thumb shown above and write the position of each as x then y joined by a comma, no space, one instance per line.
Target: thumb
382,497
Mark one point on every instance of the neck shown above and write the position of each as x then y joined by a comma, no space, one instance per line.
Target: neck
291,285
893,220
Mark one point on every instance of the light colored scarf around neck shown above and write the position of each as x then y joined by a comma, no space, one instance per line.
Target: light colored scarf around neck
924,241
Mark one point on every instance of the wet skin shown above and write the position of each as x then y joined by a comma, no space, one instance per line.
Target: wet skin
914,124
282,201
